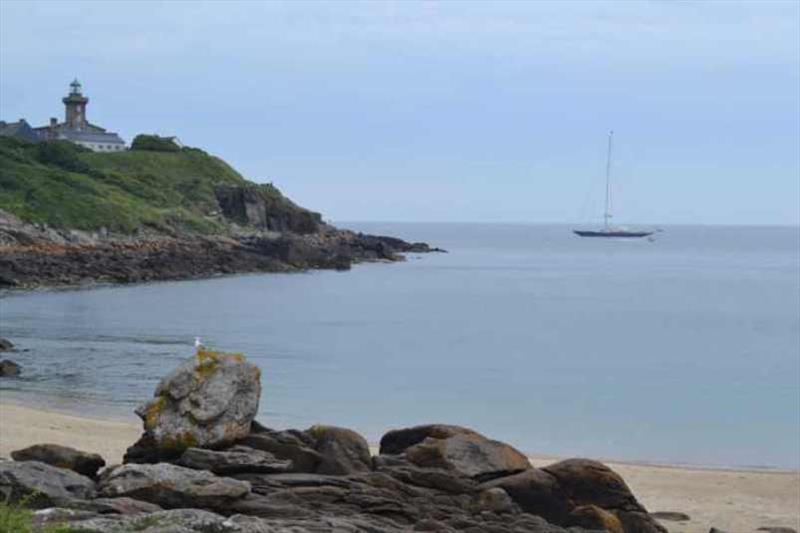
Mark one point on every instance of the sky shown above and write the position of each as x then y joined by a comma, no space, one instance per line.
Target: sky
444,111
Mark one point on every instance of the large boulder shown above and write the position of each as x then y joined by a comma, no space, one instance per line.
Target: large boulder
578,492
42,485
586,482
396,441
234,460
83,463
209,401
342,451
9,368
536,492
470,454
171,486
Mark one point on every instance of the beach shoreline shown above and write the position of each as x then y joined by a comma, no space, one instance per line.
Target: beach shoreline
734,500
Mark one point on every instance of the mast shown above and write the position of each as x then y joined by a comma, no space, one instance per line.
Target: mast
607,213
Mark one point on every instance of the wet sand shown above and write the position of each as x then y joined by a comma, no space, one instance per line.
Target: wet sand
735,501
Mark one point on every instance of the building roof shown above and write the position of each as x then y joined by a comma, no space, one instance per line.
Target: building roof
90,136
20,129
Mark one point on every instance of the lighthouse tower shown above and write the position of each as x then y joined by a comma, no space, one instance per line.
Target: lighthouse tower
75,107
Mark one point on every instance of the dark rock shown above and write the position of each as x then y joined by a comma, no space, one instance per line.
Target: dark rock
83,463
586,482
9,368
715,530
342,451
435,478
171,486
671,516
469,454
43,484
5,345
234,460
262,206
536,492
209,401
285,445
777,529
396,441
494,500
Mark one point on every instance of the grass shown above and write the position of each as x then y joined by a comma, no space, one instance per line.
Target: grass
64,185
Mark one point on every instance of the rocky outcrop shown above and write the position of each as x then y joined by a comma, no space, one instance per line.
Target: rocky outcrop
9,368
171,486
42,485
578,492
5,345
83,463
33,259
342,451
209,401
239,476
263,207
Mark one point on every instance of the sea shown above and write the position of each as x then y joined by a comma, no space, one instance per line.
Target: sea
680,349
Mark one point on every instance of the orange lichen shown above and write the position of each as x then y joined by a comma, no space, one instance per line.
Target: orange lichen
209,360
154,410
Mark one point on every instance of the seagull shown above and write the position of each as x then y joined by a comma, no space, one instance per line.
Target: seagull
197,343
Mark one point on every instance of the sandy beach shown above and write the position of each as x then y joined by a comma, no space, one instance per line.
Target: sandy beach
735,501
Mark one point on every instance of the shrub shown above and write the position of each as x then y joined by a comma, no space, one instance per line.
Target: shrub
63,154
154,143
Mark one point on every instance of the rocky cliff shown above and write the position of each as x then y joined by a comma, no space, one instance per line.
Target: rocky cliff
70,216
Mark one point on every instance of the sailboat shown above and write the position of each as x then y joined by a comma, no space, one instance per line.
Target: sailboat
608,230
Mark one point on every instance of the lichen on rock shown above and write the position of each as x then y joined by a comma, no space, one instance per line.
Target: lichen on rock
209,401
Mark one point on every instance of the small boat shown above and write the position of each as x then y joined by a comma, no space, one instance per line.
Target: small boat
608,230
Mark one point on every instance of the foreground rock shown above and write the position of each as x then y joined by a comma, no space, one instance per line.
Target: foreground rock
470,454
219,471
171,486
42,485
9,368
234,460
5,345
83,463
579,492
209,401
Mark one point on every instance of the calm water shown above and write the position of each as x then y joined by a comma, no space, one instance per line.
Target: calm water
686,349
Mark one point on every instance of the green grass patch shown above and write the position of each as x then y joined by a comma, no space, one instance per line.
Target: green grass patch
66,186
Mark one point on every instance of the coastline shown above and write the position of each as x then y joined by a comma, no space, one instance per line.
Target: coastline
734,500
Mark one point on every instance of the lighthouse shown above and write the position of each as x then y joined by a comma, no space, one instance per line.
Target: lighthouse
75,107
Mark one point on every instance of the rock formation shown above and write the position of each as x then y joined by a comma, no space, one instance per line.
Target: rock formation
9,368
203,464
209,401
83,463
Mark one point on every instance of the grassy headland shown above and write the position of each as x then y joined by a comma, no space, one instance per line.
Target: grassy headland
66,186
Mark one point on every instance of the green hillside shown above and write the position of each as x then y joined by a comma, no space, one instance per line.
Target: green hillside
67,186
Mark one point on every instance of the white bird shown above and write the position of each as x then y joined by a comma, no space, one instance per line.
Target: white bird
197,343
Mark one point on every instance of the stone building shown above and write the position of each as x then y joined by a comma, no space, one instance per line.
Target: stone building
76,127
20,129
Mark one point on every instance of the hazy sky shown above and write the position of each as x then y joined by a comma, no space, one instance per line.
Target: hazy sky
444,111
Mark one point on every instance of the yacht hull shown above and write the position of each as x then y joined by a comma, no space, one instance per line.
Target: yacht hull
612,233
